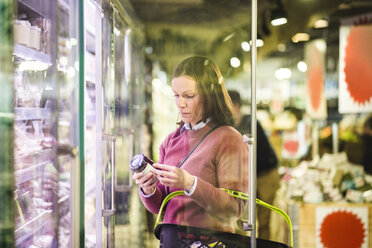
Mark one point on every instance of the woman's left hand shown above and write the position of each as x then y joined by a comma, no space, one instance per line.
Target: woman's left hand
173,176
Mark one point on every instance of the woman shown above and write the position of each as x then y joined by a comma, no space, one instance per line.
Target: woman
219,161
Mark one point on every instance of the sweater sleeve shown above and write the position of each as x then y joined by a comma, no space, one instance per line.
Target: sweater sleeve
153,202
231,173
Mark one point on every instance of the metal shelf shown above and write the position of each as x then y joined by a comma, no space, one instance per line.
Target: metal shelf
29,173
32,113
36,157
31,227
63,199
34,8
28,53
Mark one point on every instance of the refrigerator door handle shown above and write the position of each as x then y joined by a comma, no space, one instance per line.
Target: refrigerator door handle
131,154
129,133
112,138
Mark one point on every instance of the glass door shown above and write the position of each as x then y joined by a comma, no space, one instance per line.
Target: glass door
68,116
100,172
35,124
106,165
91,77
124,135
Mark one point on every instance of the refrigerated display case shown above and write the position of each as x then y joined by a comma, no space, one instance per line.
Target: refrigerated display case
45,135
123,128
6,126
35,125
90,81
68,123
100,140
130,217
113,121
43,174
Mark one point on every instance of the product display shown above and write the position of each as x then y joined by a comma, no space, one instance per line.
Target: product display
38,192
329,179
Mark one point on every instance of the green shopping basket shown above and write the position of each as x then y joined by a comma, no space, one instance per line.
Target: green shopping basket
190,237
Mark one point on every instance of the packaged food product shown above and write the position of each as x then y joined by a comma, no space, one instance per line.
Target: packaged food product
21,31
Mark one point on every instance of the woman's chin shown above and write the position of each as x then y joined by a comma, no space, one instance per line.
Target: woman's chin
185,120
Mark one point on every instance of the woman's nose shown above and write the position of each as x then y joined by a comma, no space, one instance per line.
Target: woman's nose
181,102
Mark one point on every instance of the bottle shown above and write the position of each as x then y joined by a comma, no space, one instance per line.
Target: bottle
141,163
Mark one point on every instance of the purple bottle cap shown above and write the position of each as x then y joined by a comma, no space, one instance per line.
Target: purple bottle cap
137,163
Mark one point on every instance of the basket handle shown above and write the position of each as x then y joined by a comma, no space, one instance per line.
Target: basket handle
236,194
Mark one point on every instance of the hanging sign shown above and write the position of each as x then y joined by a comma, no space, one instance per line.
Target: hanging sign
355,74
338,227
315,60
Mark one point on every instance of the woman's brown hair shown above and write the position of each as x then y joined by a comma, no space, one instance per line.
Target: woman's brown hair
211,87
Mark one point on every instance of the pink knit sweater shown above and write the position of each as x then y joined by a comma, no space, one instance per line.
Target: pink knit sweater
220,161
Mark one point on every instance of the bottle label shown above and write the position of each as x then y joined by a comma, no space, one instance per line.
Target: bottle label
147,169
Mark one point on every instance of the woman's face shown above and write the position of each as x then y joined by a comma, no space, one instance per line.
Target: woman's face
187,99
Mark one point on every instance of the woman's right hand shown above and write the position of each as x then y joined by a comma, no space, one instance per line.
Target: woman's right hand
147,181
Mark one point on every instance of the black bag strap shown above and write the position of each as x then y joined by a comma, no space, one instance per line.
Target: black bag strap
193,149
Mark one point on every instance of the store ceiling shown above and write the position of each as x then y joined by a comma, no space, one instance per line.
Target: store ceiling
215,28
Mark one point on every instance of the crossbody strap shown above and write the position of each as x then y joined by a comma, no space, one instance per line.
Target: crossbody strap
193,149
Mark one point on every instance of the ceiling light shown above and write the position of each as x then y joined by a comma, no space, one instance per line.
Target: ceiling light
234,62
300,37
283,73
148,50
259,42
227,38
281,47
302,66
278,15
245,46
321,23
279,21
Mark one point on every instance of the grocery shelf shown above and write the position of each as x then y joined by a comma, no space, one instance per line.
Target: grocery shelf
27,230
32,113
35,8
28,53
64,205
63,199
36,157
29,173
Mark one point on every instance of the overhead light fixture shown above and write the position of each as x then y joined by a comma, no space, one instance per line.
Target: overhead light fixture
259,41
245,46
302,66
321,23
227,38
235,62
283,73
281,47
300,37
148,50
278,15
